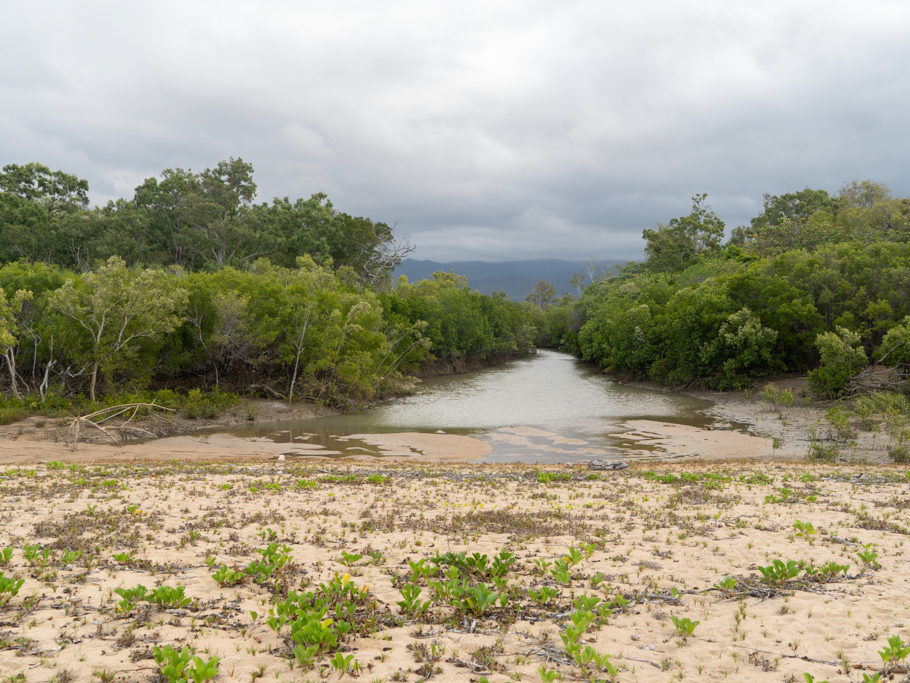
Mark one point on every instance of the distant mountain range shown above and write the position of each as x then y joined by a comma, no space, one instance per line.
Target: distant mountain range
515,278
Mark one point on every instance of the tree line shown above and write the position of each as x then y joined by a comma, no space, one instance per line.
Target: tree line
191,285
816,282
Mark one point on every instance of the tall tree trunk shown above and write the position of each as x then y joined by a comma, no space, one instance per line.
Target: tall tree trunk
91,391
11,364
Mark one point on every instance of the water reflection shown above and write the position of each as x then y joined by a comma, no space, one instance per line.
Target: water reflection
546,408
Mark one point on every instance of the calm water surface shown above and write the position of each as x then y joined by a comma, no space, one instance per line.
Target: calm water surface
545,408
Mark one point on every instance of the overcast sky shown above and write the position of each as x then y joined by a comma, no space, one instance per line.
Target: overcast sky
483,130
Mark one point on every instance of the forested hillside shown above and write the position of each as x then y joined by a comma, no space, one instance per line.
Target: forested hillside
189,285
815,283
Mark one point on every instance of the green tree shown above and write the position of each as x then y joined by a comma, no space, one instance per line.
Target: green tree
114,309
677,244
795,207
543,295
895,347
10,312
841,357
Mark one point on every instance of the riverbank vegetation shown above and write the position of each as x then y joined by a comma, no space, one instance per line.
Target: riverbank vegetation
816,283
190,286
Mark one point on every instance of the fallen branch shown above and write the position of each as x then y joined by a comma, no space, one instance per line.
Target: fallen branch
95,419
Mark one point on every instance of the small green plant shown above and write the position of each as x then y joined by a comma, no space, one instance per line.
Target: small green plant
70,556
544,594
804,528
894,652
779,572
168,596
130,597
479,599
9,588
726,584
226,576
410,604
874,678
685,627
5,555
421,569
349,559
868,557
811,679
180,666
560,572
548,675
341,662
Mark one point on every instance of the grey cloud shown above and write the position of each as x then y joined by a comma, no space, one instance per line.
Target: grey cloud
511,130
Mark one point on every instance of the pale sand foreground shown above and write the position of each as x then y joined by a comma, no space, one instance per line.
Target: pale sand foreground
660,535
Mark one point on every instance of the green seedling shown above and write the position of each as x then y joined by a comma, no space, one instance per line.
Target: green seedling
586,603
541,565
895,651
268,535
502,563
874,678
479,599
826,572
421,569
210,561
225,576
342,663
544,594
306,484
123,558
618,602
685,627
574,556
868,557
35,555
130,597
410,604
168,596
5,555
778,572
71,556
180,667
548,675
811,679
804,528
349,559
477,562
9,588
560,572
726,584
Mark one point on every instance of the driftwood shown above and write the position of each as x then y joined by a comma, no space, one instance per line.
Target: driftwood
96,420
878,378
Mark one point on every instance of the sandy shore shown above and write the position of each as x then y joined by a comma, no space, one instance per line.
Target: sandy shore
662,537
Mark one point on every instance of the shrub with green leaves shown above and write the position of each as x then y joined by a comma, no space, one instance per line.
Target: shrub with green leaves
841,357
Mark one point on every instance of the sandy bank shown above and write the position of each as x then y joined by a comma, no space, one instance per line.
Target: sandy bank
682,540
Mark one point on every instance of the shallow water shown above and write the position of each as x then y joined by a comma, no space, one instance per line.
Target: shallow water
545,408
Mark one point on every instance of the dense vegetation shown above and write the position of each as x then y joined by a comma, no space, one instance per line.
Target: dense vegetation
816,283
190,285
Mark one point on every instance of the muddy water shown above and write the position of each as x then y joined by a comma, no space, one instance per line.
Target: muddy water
546,408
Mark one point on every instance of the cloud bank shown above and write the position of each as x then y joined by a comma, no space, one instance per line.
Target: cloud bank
522,130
